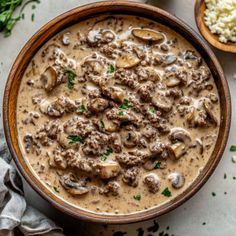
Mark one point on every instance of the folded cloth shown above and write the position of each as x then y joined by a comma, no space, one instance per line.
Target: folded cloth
14,211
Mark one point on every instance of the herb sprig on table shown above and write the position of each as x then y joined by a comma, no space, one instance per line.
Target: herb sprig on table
7,18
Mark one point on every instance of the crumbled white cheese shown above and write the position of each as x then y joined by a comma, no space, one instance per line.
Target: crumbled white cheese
220,17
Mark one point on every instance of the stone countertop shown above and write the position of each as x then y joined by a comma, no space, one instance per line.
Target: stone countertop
204,214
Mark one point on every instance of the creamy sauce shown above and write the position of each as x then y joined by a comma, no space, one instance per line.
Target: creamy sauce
159,126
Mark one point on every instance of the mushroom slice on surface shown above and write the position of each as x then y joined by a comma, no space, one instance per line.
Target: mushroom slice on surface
127,61
65,39
177,179
208,108
181,140
49,78
176,150
152,181
148,35
108,169
72,186
129,138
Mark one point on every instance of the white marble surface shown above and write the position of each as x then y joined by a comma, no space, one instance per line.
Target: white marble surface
218,213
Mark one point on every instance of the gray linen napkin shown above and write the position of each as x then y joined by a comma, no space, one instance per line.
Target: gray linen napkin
14,211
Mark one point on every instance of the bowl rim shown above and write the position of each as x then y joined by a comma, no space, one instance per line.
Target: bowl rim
136,9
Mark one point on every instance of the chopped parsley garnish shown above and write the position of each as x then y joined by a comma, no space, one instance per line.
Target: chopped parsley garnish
157,165
71,75
166,192
213,194
32,17
74,139
82,108
106,154
121,113
225,176
111,69
233,148
152,110
102,125
204,223
234,177
137,197
56,189
125,105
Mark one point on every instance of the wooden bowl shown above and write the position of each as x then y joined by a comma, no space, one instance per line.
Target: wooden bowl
72,17
213,39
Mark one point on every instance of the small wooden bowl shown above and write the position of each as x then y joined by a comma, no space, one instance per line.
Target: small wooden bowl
213,39
72,17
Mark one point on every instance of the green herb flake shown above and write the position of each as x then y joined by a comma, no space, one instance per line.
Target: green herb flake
33,7
111,69
225,176
32,17
22,16
102,124
233,148
157,165
166,192
137,197
56,189
204,223
71,75
225,193
152,110
74,139
106,154
125,105
121,113
82,108
234,177
213,194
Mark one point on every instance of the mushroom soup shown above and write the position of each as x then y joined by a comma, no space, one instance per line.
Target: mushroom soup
117,114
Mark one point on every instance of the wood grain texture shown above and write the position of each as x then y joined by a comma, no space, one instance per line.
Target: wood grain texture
213,39
74,16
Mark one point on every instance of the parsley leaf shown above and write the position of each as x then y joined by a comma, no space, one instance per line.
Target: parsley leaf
102,125
152,110
233,148
71,75
56,189
137,197
74,139
125,105
121,113
111,69
166,192
157,165
82,108
213,194
106,154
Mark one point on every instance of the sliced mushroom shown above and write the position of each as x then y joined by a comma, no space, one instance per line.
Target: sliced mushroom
49,78
108,169
208,108
177,179
176,150
129,138
190,115
200,145
72,186
94,66
65,39
181,141
152,181
127,61
148,35
97,36
97,105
